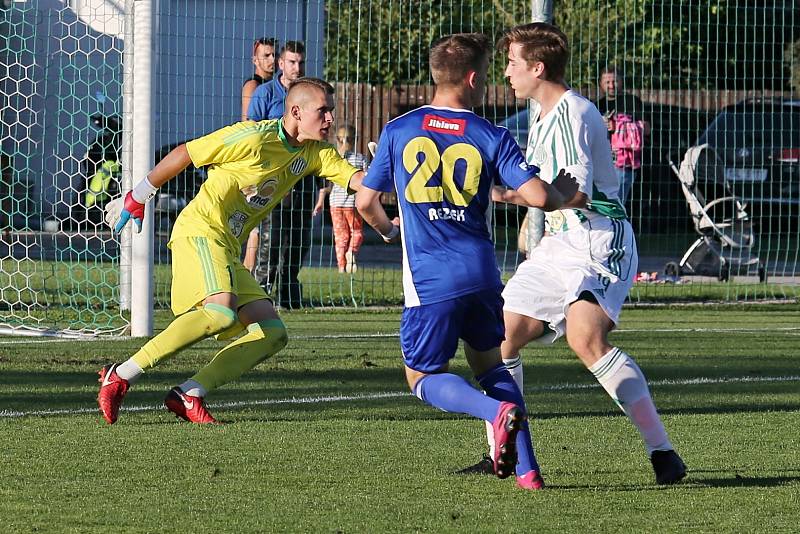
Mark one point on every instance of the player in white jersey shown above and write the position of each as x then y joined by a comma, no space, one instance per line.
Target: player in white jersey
575,282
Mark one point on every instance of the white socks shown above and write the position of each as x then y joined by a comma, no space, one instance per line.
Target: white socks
129,370
514,367
624,382
193,388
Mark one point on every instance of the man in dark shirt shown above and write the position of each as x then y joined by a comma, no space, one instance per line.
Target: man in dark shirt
281,254
622,110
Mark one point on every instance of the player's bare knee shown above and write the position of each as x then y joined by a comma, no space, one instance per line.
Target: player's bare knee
482,361
579,346
519,332
257,311
589,348
413,377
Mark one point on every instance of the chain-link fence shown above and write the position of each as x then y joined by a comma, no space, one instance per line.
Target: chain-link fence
711,86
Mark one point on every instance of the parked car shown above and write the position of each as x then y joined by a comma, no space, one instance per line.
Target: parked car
657,204
518,124
757,142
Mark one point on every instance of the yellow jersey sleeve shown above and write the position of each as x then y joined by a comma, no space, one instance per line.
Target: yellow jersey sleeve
334,167
236,142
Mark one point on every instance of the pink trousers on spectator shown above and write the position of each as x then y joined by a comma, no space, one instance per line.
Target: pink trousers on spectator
347,233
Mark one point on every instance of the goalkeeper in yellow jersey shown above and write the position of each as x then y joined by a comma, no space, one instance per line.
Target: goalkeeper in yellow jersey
251,167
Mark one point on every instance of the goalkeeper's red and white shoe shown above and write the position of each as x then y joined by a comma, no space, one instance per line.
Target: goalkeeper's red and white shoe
112,391
188,407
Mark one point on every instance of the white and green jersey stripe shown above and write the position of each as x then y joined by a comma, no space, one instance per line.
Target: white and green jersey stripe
572,137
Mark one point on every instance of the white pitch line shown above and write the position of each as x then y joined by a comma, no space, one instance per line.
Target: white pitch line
54,340
787,329
711,330
29,341
13,414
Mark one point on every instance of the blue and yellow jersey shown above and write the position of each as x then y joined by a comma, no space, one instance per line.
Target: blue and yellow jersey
251,167
443,162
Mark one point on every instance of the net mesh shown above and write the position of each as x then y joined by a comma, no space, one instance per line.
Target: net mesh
714,83
61,104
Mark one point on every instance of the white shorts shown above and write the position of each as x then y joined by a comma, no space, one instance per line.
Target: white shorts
599,256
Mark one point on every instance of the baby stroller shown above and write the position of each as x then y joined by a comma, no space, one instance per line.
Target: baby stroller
726,241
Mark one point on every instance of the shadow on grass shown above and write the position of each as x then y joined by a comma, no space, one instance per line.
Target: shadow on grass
371,392
696,480
718,478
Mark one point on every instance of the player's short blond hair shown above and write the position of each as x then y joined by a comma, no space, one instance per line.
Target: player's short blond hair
308,82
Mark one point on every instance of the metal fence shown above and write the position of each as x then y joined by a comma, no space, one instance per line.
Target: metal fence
716,82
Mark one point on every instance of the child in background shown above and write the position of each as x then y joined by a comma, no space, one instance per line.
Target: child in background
347,223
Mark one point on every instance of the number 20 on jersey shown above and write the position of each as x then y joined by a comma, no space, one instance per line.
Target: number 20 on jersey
418,190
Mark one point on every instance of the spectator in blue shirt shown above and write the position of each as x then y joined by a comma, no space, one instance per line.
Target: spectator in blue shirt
267,99
281,248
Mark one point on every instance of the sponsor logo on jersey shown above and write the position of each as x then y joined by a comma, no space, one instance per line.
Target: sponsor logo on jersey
434,123
555,222
298,166
259,198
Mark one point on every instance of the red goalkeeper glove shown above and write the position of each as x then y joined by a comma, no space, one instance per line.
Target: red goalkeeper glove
119,211
131,209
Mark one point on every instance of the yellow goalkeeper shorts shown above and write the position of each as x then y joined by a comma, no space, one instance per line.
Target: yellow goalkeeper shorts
202,267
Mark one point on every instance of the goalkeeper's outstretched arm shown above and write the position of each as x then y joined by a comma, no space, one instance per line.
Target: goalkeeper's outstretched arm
170,166
122,210
368,202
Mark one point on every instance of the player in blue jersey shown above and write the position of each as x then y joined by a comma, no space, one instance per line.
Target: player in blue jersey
442,159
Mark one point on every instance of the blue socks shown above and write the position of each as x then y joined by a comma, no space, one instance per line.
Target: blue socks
498,383
452,393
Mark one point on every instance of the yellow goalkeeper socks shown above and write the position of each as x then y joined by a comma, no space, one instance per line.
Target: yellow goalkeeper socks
184,331
262,340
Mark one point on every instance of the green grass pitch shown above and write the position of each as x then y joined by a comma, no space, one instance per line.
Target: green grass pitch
324,437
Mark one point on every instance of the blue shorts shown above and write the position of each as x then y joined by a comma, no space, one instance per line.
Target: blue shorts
429,333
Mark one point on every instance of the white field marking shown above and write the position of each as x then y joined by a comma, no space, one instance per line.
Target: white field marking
712,330
128,338
788,329
623,330
54,340
12,414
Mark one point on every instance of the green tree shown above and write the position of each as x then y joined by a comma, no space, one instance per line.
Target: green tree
662,44
792,63
687,44
387,42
